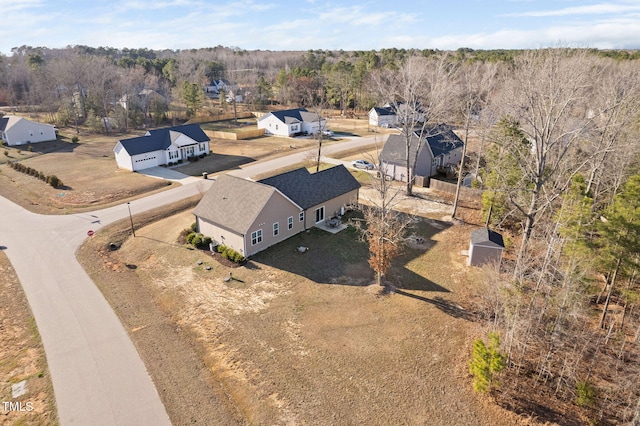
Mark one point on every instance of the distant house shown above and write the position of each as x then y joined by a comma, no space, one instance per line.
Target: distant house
250,216
443,147
383,117
486,246
161,146
216,86
16,130
291,122
395,113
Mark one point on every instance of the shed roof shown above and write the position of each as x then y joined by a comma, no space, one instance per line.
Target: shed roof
160,139
233,202
485,235
310,189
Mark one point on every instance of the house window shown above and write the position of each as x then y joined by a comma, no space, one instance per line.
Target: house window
290,222
320,214
301,216
202,147
256,237
276,229
276,127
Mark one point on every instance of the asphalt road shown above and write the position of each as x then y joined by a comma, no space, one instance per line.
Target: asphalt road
98,377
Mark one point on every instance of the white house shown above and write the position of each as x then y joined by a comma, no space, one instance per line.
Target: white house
16,130
161,146
383,117
291,122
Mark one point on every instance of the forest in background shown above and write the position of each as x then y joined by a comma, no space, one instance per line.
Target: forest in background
558,162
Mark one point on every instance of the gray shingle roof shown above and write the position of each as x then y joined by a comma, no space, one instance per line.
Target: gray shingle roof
160,139
384,111
394,149
484,235
3,123
233,202
310,189
442,140
297,114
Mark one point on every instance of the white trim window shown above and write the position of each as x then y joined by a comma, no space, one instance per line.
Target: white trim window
301,217
256,237
276,228
290,223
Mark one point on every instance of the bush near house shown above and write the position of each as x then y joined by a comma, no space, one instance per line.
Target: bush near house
231,254
198,240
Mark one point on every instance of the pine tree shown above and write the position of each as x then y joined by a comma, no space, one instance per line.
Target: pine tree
486,362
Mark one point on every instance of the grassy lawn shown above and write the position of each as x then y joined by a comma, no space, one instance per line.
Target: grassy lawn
297,338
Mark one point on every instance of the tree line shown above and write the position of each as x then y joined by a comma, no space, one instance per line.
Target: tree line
556,154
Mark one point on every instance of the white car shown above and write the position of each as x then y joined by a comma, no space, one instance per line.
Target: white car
328,133
363,164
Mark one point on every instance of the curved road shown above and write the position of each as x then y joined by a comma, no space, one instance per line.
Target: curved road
98,377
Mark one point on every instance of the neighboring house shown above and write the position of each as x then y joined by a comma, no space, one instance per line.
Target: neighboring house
250,216
442,148
16,130
395,113
486,246
217,86
383,117
161,146
144,98
291,122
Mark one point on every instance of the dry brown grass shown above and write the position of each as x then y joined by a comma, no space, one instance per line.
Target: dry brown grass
301,338
22,356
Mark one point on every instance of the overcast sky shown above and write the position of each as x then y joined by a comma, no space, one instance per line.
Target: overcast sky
320,24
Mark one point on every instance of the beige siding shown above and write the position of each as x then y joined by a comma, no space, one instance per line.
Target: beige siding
331,207
221,235
277,210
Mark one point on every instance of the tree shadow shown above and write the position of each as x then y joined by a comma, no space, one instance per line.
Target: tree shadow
342,258
444,305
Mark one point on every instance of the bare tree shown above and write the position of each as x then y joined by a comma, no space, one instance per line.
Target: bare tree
384,228
476,81
421,92
546,94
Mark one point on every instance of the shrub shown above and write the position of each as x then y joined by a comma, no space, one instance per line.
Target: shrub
190,237
194,227
75,139
486,362
231,254
30,148
586,393
196,241
6,153
54,181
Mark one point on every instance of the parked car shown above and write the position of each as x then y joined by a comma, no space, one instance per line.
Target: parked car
363,164
328,133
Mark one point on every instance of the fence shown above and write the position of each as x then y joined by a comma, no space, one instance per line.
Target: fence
235,136
466,194
219,117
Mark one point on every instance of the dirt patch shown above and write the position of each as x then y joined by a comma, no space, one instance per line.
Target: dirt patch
299,338
22,357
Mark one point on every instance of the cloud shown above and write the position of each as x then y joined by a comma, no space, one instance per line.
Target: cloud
595,9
